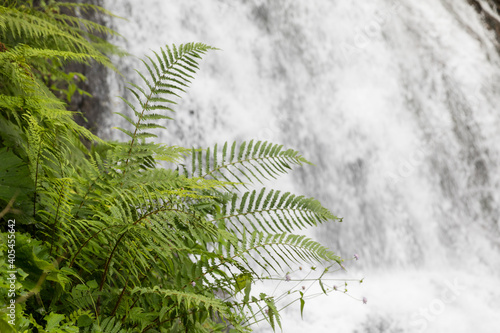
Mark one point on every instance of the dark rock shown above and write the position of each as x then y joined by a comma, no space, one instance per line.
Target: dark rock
93,109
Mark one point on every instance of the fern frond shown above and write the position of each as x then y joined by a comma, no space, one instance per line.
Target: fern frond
168,74
249,161
271,251
24,52
273,211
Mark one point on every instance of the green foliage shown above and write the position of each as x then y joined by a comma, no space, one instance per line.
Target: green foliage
36,43
109,241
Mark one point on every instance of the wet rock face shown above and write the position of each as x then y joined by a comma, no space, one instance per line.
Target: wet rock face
488,15
94,109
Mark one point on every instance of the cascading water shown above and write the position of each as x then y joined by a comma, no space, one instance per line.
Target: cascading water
397,105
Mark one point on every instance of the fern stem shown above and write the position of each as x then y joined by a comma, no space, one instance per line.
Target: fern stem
9,205
120,298
88,240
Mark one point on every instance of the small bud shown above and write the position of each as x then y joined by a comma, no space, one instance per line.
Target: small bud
303,287
287,278
334,287
356,256
193,283
365,300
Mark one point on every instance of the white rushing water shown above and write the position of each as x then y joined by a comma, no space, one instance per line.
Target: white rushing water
397,104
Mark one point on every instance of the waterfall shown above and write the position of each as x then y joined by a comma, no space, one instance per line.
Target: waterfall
396,102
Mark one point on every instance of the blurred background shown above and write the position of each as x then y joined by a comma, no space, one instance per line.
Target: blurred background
397,105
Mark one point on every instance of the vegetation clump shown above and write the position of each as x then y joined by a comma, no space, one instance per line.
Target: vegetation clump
107,240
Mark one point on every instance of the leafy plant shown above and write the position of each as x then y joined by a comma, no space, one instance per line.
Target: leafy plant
109,241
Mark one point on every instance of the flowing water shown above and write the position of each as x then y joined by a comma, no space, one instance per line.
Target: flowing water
397,104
